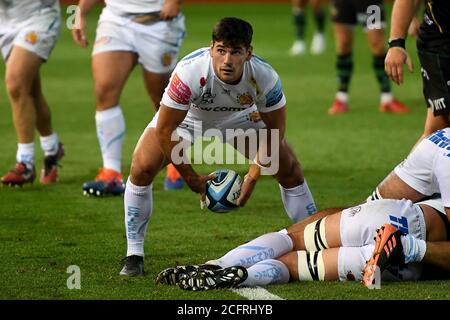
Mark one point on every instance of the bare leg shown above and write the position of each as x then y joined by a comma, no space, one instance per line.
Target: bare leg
433,124
375,38
296,231
22,68
110,71
43,114
148,159
392,187
344,66
155,83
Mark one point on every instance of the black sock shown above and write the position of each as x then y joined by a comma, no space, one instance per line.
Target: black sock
320,20
344,66
299,22
383,80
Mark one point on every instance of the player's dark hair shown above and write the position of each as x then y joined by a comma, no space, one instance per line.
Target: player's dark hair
233,32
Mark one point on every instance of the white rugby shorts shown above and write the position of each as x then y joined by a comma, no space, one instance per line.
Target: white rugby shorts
157,44
38,34
358,228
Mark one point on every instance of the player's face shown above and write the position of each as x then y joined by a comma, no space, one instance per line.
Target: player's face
228,62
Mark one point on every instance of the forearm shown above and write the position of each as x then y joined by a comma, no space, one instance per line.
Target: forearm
174,2
86,5
438,254
402,15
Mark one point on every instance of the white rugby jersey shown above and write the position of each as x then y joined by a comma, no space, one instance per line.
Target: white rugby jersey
195,87
15,11
135,6
427,168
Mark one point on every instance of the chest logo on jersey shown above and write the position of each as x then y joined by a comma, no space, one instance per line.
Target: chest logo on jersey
207,97
245,99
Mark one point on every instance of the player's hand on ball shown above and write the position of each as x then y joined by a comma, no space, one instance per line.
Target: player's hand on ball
246,190
203,193
198,183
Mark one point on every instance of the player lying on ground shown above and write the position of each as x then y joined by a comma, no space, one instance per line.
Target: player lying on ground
327,247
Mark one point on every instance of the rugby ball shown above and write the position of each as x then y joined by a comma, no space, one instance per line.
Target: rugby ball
223,191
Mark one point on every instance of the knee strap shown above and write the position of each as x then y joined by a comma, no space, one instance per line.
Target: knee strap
375,195
314,236
310,266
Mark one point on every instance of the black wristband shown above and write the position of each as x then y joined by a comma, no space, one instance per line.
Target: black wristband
397,43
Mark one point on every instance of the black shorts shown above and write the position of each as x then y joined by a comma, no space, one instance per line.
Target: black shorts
435,68
354,12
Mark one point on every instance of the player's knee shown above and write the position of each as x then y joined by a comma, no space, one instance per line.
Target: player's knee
314,236
107,94
290,261
142,171
16,86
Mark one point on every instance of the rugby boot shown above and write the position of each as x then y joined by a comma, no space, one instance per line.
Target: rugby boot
394,106
388,251
134,266
49,174
19,175
171,276
173,180
337,107
107,182
204,279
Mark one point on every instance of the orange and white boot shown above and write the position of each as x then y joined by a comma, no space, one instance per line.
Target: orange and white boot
173,180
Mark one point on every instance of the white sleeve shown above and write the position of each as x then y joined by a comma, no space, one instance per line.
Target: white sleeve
272,97
442,174
178,92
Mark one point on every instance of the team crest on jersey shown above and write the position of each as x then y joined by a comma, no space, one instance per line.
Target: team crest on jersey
254,116
166,59
207,96
31,37
245,99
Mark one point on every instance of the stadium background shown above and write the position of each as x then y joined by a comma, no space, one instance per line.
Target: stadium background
45,229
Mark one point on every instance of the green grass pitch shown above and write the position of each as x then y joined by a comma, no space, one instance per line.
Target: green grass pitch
45,229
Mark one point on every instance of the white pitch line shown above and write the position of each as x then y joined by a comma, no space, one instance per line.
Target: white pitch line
257,293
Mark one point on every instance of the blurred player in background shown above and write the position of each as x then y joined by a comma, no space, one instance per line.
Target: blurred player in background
148,32
318,42
29,30
433,44
346,14
224,87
